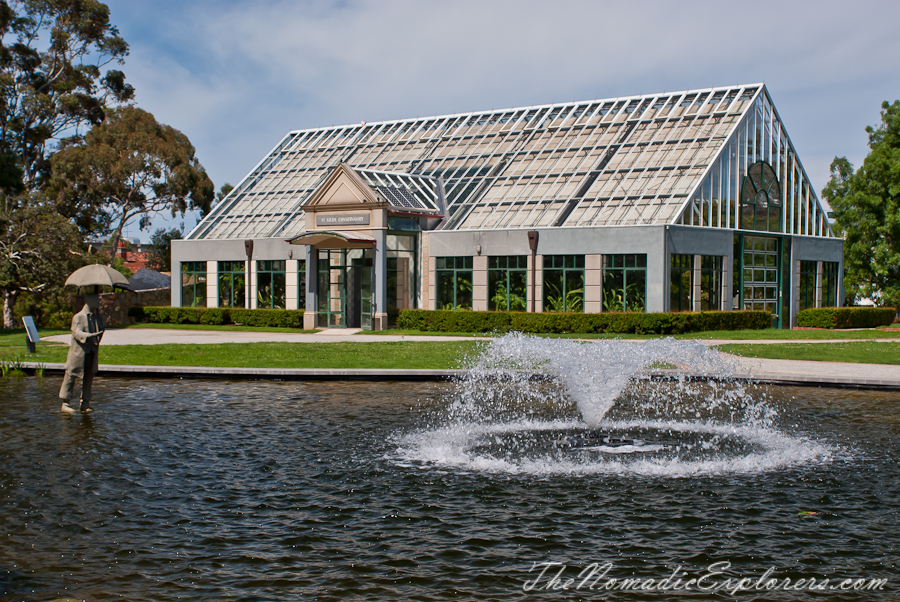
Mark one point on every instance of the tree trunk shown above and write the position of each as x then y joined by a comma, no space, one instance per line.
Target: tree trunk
117,236
9,301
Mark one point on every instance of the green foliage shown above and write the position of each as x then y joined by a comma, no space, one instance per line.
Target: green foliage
160,256
38,250
550,323
52,308
573,300
130,166
282,318
866,206
118,264
846,317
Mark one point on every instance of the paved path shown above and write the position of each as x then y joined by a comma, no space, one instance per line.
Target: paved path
782,371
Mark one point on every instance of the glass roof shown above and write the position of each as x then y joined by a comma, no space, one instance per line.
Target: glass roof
627,161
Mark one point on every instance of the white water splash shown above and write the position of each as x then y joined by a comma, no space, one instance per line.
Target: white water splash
518,396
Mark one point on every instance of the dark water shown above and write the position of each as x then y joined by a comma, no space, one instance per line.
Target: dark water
282,491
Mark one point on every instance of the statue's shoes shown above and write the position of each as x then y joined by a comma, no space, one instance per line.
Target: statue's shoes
67,408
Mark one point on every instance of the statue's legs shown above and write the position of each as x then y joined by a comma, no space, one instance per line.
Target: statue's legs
87,381
67,390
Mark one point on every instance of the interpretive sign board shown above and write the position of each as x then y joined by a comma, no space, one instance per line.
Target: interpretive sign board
31,333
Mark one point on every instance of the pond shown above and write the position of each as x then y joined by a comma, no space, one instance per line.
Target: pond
221,490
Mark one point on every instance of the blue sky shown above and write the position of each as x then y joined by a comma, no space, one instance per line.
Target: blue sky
237,76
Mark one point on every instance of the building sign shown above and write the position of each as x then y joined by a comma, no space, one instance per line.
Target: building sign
343,219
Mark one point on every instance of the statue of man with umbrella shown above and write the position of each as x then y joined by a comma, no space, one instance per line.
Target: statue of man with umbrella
87,330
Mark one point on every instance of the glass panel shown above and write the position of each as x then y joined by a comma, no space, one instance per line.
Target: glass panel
635,291
464,289
554,287
614,290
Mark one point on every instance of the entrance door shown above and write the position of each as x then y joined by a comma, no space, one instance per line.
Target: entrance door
344,292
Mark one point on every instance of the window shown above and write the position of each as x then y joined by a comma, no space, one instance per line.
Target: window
231,284
270,281
830,270
625,283
761,199
193,284
710,282
454,282
402,281
681,282
508,283
564,283
808,271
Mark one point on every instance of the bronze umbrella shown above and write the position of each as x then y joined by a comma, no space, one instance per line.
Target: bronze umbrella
97,275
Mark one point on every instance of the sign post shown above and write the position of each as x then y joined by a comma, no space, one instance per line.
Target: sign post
31,334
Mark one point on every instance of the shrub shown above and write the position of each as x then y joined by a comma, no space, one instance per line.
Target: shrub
846,317
285,318
611,322
282,318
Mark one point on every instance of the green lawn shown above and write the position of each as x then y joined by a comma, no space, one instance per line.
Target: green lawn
387,355
430,354
861,352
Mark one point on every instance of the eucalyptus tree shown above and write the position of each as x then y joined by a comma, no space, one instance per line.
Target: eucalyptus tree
129,167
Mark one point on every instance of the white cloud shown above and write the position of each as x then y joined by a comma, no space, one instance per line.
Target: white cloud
237,76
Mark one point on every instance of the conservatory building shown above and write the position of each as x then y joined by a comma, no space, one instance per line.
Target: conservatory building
682,201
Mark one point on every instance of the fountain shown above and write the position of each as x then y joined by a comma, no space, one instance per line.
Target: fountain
216,490
545,406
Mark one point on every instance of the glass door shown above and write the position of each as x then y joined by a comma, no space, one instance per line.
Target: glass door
345,288
760,277
331,293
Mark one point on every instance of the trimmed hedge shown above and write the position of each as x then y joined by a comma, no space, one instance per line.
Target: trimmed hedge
612,322
846,317
283,318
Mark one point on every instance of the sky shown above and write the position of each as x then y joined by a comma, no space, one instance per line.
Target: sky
237,76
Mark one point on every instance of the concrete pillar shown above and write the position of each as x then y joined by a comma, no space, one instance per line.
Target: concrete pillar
479,283
725,299
212,284
432,279
696,290
425,274
291,284
175,291
795,287
529,285
593,275
252,301
310,316
539,285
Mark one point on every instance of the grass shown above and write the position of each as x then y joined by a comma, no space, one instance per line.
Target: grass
427,354
859,352
386,355
401,354
220,327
